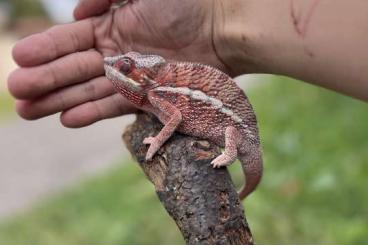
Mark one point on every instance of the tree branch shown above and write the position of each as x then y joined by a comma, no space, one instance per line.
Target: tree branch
201,200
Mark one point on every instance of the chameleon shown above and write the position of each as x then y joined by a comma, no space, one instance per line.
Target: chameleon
194,99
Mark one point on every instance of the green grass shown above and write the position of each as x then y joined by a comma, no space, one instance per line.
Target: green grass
6,105
314,189
117,208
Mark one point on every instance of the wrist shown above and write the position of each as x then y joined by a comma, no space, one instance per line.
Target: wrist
253,36
234,39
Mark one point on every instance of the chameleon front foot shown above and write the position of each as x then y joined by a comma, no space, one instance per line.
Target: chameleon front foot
153,148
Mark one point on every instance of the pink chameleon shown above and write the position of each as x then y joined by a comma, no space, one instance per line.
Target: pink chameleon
196,100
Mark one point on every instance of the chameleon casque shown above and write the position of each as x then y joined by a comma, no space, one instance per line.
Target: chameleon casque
193,99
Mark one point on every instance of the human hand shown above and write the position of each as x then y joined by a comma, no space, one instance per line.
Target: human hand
61,69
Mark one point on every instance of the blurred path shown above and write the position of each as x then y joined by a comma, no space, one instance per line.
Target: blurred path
41,157
6,62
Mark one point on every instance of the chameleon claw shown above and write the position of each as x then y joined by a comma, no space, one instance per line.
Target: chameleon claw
151,152
221,161
152,149
148,157
148,140
214,164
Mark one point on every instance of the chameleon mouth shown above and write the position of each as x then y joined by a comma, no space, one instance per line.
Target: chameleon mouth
110,61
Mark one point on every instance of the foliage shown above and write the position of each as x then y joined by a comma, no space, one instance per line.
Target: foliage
314,190
23,8
117,208
6,105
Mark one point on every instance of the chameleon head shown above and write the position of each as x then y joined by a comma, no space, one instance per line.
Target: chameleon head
133,71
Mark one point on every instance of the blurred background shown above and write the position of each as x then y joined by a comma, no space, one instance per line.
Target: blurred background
63,186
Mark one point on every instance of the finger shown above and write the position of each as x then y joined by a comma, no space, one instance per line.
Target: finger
65,99
89,8
53,43
91,112
29,83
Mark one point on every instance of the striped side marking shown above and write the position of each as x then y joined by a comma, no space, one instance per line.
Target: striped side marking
199,95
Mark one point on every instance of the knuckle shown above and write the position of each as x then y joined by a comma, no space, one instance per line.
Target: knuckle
75,40
53,48
51,75
82,65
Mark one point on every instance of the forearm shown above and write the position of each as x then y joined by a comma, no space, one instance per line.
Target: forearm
319,41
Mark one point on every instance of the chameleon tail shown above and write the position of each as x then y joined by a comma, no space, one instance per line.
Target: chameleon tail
252,167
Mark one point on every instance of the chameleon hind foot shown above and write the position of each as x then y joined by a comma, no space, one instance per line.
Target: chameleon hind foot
231,153
223,160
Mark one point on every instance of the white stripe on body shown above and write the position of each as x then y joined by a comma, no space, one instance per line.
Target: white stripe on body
199,95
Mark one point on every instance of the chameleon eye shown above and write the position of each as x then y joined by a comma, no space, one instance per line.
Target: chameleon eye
125,67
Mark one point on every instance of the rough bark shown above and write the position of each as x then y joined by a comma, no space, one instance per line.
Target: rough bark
202,200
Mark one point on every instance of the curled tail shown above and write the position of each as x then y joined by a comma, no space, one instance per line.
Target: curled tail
253,168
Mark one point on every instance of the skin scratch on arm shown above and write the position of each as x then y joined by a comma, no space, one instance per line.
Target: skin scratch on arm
301,22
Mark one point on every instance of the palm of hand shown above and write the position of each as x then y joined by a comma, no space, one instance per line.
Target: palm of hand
62,68
175,29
